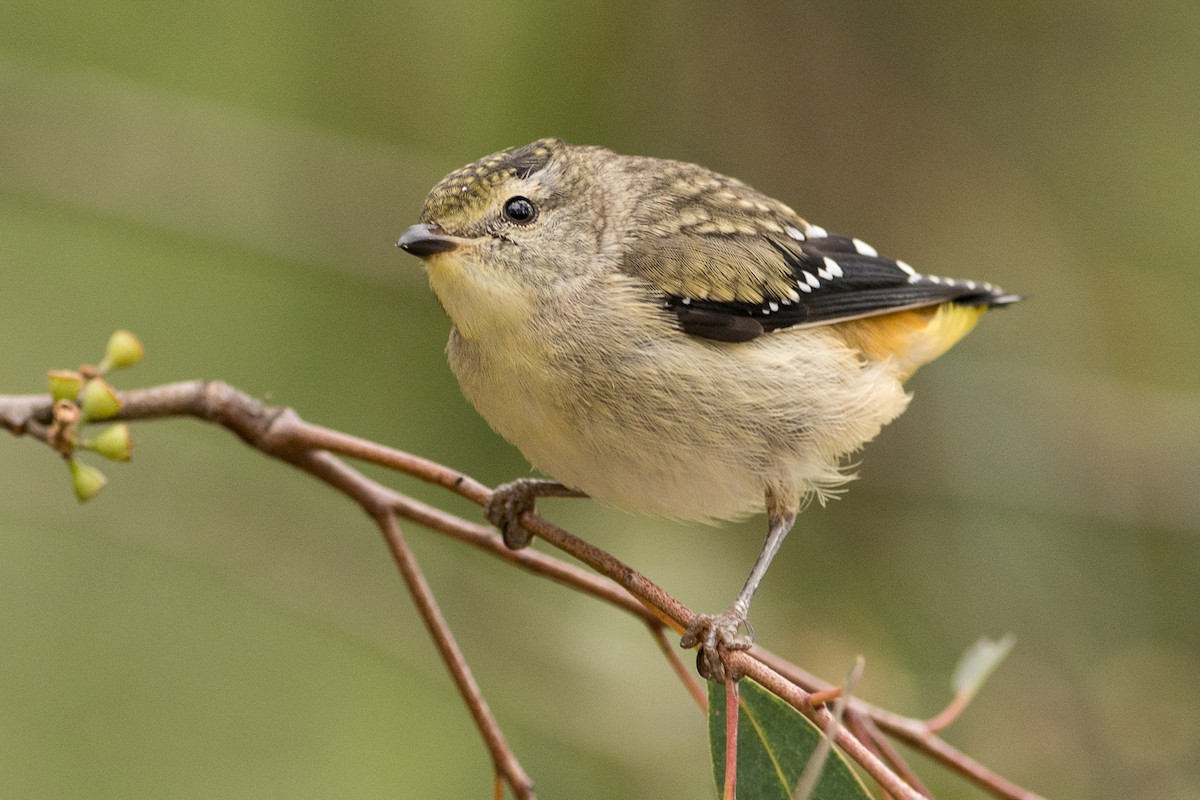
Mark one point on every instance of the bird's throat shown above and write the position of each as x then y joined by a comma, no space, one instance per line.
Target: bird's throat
480,302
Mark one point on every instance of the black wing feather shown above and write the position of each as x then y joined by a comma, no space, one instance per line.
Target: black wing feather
836,279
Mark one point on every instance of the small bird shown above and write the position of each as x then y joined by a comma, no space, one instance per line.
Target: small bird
668,340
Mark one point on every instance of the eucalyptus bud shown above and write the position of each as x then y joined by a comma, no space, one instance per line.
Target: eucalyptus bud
65,384
124,350
114,443
87,481
99,400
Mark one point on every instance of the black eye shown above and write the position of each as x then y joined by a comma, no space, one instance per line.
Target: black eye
520,210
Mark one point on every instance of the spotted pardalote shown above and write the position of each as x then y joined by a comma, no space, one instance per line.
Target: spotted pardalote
669,340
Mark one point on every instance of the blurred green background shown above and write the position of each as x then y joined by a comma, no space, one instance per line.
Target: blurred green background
227,180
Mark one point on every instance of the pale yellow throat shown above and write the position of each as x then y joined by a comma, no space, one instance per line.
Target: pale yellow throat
481,301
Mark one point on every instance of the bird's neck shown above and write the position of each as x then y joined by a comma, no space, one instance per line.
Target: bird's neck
480,304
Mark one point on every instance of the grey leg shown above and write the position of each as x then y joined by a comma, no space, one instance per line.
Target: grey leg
717,632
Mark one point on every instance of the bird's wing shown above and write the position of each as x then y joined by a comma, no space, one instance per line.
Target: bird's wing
737,279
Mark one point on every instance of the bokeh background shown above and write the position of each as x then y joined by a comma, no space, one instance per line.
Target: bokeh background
227,180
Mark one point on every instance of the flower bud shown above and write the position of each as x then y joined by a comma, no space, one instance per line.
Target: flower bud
86,481
124,350
114,443
99,400
65,384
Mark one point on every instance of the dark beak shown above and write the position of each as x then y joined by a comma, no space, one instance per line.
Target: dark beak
427,240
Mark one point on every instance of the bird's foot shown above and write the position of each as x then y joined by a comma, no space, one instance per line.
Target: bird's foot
511,500
717,634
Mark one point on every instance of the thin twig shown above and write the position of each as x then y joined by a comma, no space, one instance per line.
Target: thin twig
944,718
685,675
732,709
911,731
281,433
801,700
954,759
504,761
816,761
274,432
871,743
870,735
376,502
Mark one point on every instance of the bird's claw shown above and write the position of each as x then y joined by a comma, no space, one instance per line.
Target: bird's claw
509,501
717,634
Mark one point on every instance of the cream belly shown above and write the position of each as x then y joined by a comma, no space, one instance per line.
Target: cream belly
643,417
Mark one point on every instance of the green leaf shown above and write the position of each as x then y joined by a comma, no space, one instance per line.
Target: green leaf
774,744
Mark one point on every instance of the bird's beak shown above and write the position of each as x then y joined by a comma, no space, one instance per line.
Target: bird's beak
427,240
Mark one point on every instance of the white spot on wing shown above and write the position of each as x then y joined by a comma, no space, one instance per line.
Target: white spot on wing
811,279
773,306
864,248
904,266
816,232
795,233
804,287
835,269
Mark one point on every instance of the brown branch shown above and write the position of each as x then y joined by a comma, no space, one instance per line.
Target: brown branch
870,735
732,710
913,732
503,760
746,664
377,501
281,433
681,671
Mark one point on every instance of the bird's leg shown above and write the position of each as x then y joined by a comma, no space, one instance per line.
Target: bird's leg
511,500
717,632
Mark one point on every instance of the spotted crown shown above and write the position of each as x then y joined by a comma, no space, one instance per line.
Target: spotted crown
464,193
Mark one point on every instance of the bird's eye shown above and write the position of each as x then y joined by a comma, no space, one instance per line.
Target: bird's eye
520,210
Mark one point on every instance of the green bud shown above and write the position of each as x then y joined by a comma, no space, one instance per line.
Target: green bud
99,400
65,384
124,350
87,481
114,443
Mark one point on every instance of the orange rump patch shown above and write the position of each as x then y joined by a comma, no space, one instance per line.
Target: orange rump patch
910,338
